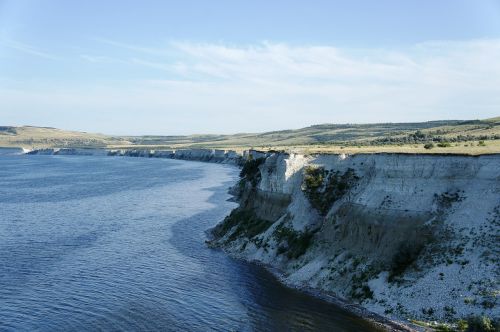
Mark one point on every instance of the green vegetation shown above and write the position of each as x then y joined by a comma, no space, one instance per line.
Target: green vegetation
360,289
481,324
341,135
323,187
444,144
405,257
471,324
361,293
43,137
245,224
292,242
429,146
250,171
447,199
5,130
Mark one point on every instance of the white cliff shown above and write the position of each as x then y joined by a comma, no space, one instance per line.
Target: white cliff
410,236
208,155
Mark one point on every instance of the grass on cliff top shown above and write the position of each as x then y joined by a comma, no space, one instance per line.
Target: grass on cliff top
46,137
465,148
326,138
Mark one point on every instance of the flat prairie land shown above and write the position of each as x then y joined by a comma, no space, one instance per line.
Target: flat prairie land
472,137
465,148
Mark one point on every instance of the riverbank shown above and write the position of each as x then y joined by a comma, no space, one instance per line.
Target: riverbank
377,321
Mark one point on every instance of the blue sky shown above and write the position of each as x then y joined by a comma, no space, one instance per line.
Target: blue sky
165,67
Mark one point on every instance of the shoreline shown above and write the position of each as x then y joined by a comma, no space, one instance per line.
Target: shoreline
376,320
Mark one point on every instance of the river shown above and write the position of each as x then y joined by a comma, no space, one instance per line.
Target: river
117,244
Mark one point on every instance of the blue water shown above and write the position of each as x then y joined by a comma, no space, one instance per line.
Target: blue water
113,243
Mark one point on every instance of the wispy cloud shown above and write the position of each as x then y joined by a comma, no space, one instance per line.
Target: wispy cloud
133,47
207,87
103,59
446,62
28,49
433,62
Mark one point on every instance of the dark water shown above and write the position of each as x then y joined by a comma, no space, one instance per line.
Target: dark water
105,243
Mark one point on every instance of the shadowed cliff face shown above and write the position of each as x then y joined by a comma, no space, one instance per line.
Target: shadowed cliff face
266,205
381,230
377,232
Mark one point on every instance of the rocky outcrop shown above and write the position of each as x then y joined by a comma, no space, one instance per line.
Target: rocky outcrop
407,236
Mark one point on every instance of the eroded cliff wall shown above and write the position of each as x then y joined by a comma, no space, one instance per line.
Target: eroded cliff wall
409,236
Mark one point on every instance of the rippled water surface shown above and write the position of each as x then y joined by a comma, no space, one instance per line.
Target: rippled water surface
110,243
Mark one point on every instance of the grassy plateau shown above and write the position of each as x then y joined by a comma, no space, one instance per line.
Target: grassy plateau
448,136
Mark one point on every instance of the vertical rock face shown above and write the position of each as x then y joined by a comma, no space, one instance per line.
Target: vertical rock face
412,236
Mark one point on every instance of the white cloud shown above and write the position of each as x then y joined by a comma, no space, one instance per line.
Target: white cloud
27,49
223,88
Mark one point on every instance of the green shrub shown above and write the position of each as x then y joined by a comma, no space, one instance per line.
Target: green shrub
404,258
297,242
323,188
447,199
246,222
481,143
462,325
444,144
361,293
250,170
488,304
428,311
429,146
480,324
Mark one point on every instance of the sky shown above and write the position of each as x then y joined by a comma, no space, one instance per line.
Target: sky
227,66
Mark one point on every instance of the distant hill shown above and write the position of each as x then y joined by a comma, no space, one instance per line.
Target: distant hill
323,136
37,137
340,134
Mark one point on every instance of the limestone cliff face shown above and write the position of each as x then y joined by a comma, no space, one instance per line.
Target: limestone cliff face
412,236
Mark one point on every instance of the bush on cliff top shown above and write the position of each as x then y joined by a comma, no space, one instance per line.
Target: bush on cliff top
444,144
323,187
429,146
